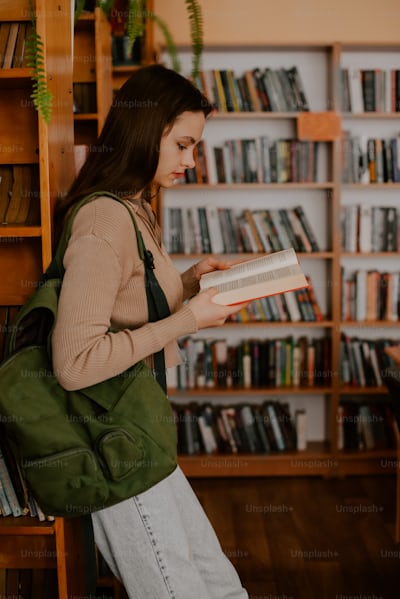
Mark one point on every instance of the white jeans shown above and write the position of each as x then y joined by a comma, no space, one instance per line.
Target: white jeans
161,545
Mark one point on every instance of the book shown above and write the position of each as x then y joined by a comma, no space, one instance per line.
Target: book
4,33
271,274
6,181
18,59
5,508
10,47
8,487
301,426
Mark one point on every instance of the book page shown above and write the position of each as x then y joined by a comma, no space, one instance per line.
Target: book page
247,268
259,285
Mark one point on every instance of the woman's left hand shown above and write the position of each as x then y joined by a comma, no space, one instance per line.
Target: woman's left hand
210,264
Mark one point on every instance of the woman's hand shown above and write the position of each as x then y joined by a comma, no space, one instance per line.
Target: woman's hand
210,264
207,312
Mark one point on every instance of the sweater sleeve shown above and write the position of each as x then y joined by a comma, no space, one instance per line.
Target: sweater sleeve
85,352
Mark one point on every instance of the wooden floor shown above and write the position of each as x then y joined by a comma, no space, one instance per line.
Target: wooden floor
308,538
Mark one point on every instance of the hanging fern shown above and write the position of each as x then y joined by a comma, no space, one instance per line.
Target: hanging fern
136,26
136,20
41,95
196,34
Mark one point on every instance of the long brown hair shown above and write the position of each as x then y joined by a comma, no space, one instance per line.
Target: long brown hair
125,158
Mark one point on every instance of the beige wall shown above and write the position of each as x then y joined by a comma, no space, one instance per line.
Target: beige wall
259,21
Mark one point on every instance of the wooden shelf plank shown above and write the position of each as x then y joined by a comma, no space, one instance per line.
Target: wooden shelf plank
252,391
247,186
86,116
13,231
370,323
317,460
350,390
25,525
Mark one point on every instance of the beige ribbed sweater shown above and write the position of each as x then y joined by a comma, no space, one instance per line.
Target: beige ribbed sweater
103,287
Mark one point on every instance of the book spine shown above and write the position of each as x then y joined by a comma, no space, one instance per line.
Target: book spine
280,441
8,487
298,210
5,507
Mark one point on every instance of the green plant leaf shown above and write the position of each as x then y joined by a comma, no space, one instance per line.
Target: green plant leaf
80,4
41,96
106,6
196,32
136,20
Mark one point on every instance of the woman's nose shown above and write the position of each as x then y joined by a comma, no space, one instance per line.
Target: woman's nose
188,159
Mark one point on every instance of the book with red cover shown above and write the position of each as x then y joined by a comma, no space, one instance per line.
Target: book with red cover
270,274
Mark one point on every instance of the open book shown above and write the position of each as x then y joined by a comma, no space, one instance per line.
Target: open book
249,280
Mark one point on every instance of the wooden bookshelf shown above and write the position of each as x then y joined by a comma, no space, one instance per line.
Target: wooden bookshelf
91,75
25,139
319,65
27,544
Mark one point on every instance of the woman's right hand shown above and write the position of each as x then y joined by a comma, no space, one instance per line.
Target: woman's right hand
210,314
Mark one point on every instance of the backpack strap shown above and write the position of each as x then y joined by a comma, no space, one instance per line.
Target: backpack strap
56,268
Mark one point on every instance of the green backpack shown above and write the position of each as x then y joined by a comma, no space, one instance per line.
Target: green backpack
81,451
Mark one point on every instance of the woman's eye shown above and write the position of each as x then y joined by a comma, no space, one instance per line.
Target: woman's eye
181,147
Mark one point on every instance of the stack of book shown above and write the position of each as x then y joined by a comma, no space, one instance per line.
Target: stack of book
370,295
370,160
13,36
363,362
252,363
19,194
262,160
366,228
370,90
15,498
258,89
300,305
365,424
217,230
235,429
255,160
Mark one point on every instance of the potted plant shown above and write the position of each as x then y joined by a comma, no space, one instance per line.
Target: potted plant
129,18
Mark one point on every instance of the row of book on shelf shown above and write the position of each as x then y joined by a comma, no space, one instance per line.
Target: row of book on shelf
270,426
217,364
370,90
232,429
370,295
252,363
254,90
19,194
370,160
300,305
366,425
367,228
213,229
254,160
13,36
363,362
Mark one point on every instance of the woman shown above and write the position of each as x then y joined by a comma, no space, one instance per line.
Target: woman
159,543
